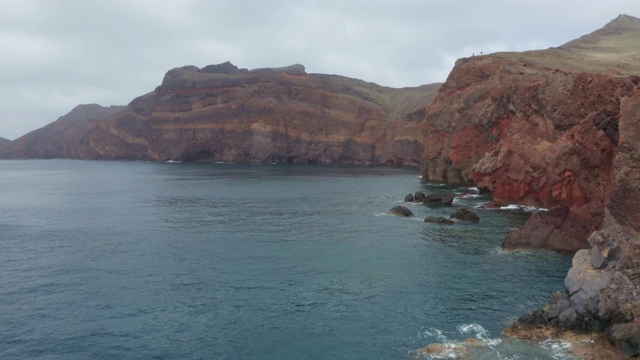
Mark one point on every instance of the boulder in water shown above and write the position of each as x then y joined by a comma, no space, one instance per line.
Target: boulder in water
464,214
419,196
438,220
409,198
400,211
438,199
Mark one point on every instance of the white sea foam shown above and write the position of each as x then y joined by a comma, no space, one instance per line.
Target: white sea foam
493,348
173,161
559,349
523,208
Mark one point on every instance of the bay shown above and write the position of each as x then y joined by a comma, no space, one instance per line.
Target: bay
132,260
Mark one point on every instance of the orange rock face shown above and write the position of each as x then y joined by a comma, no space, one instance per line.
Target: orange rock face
533,129
222,113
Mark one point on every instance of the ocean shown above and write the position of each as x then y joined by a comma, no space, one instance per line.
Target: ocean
142,260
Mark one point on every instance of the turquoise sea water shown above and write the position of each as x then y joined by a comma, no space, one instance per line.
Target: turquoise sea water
134,260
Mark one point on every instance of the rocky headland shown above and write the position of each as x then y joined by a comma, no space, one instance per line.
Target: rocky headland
4,142
557,129
538,128
273,115
58,139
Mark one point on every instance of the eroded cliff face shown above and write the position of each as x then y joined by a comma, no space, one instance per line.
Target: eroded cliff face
57,139
537,128
602,288
283,115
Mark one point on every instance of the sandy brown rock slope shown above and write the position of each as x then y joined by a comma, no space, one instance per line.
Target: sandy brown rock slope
57,139
538,128
283,115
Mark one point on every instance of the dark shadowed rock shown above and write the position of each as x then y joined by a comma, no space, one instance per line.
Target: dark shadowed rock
558,229
409,198
4,142
439,199
400,211
628,336
559,303
464,214
438,220
226,68
419,196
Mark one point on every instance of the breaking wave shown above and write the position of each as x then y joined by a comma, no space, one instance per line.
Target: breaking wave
478,344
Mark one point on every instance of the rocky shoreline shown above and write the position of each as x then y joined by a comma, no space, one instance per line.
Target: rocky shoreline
558,129
602,288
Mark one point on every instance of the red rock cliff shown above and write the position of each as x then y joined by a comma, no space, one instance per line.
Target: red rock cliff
538,128
284,115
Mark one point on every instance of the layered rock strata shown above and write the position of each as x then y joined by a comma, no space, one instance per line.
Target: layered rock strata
602,288
281,115
538,128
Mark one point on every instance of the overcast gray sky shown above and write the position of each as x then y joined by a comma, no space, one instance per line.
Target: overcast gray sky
56,54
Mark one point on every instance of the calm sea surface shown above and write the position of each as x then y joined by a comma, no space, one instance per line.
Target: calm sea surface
134,260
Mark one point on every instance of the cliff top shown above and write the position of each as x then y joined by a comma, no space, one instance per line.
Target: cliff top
227,68
613,49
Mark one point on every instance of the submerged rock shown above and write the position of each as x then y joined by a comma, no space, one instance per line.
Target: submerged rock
400,211
438,199
438,220
464,214
435,348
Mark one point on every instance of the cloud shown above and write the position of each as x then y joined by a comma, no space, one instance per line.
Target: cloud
57,54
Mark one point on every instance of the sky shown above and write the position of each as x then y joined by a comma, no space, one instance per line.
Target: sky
56,54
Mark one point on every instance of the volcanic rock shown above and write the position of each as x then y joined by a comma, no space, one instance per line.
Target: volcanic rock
439,198
4,142
628,336
434,348
602,287
275,115
464,214
438,220
58,139
400,211
539,128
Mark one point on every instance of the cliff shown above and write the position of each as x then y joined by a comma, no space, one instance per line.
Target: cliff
602,288
538,128
4,143
559,129
277,115
57,139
